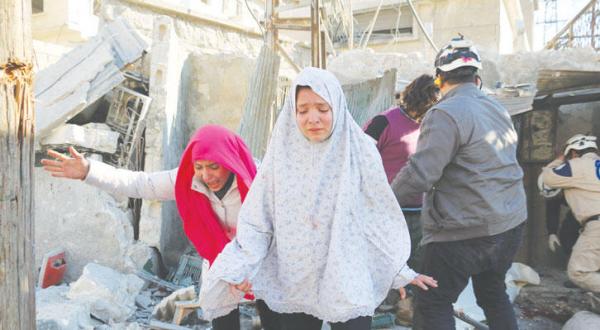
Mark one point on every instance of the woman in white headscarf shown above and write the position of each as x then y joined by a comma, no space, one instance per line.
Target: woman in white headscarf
320,236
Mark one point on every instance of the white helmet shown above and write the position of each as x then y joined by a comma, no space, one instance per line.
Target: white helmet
546,191
459,53
580,142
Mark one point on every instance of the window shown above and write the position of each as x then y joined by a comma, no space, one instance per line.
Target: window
388,24
37,6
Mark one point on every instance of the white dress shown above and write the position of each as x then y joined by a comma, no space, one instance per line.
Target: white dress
320,231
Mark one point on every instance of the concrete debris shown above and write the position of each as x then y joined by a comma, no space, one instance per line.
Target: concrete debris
84,75
165,310
144,299
552,299
358,65
110,294
120,326
364,64
583,320
157,281
54,311
524,67
93,136
90,225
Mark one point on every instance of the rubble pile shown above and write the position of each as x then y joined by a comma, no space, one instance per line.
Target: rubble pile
100,296
513,69
358,65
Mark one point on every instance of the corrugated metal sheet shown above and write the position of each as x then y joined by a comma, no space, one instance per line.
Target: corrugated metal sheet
368,98
259,110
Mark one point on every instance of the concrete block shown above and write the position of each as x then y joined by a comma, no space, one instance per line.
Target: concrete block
54,311
94,136
583,321
110,294
90,225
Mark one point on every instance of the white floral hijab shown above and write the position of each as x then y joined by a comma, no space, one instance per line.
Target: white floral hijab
320,231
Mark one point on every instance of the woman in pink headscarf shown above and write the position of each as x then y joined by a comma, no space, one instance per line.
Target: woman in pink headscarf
209,186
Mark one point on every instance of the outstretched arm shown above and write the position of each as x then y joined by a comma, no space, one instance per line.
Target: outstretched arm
134,184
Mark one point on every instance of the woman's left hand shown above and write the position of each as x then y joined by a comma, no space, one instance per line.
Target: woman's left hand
245,287
422,281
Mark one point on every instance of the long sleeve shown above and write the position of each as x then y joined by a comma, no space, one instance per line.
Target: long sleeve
439,141
552,214
242,257
404,277
558,174
134,184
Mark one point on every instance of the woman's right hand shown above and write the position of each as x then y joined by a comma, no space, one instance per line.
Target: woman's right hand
74,167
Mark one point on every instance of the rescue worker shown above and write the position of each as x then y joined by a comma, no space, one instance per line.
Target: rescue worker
474,209
577,172
561,233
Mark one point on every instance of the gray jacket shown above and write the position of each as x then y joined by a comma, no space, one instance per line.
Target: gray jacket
466,163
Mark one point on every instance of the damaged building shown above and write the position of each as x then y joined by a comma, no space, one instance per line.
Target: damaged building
128,81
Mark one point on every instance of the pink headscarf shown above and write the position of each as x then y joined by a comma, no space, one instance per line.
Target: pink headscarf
200,223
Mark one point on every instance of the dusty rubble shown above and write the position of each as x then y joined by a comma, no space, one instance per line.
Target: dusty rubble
551,299
110,295
360,64
100,296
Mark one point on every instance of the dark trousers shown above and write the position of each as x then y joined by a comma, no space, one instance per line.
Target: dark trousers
301,321
485,260
268,319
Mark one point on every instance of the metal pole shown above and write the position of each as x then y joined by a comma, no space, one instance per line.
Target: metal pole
351,27
314,33
323,51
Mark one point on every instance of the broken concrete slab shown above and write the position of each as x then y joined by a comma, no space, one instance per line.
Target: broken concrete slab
110,294
94,136
54,311
84,74
89,224
583,321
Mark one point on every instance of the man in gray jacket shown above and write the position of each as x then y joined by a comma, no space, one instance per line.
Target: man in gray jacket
475,204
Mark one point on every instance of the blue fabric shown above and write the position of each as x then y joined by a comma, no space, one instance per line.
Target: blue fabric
563,170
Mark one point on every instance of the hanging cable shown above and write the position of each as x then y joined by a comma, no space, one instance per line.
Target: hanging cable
255,19
414,12
371,26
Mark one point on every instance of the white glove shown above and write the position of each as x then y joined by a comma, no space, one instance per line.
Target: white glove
553,242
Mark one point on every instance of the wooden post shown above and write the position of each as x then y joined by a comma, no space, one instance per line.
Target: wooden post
17,289
271,34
